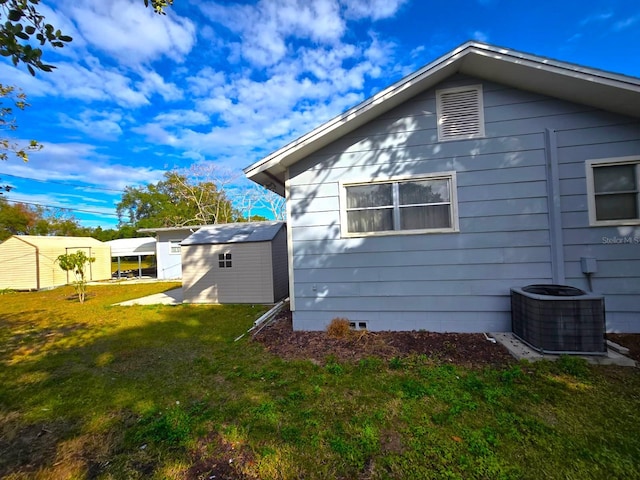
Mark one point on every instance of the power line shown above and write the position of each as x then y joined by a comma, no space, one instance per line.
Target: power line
63,208
66,184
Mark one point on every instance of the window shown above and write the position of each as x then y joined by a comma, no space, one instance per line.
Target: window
174,247
224,260
613,187
460,113
400,205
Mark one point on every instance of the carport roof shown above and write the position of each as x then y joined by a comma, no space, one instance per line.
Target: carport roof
234,233
129,247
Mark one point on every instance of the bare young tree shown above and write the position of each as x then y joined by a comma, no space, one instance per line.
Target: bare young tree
274,203
257,203
206,187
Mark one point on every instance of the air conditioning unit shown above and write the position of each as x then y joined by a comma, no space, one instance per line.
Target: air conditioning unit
559,319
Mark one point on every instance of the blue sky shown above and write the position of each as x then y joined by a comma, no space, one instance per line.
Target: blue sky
225,83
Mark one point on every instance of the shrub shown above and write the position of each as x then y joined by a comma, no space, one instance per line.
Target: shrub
339,328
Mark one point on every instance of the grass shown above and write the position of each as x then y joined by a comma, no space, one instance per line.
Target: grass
96,391
125,264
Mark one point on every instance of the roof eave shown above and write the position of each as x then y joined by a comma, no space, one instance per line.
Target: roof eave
613,92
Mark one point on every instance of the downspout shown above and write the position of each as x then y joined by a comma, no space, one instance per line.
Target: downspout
553,205
287,195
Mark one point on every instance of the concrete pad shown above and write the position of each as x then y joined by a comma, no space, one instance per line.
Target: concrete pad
170,297
521,350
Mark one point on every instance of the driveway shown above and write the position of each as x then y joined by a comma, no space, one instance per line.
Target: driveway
170,297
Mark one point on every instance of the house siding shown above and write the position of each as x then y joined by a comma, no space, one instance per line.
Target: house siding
457,281
249,280
169,265
618,275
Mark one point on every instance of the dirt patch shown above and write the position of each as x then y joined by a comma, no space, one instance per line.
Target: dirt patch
629,340
213,457
470,349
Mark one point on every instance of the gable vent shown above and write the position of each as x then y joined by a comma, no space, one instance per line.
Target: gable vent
460,113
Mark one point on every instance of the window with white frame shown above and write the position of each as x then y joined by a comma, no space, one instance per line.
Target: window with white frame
400,205
460,113
613,186
174,247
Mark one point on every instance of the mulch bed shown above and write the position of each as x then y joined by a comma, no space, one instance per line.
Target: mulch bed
629,340
469,349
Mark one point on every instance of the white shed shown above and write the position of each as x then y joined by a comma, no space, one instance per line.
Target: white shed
236,263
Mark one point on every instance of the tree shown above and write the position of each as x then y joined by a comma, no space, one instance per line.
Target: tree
22,219
15,219
175,201
257,198
76,263
16,99
20,22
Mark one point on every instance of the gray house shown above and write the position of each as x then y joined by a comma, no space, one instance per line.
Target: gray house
236,263
486,169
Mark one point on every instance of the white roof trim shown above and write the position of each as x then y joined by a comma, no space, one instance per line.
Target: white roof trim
493,63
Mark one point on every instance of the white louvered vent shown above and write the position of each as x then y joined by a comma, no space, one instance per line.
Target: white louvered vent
460,113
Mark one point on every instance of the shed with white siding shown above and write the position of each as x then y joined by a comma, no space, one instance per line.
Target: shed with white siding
236,263
29,262
484,170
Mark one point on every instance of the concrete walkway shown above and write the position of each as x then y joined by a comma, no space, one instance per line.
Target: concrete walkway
170,297
520,350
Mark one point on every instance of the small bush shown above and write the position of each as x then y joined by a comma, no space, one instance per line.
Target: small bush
339,328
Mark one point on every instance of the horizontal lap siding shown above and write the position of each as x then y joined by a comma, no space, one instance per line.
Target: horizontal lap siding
618,275
444,282
249,280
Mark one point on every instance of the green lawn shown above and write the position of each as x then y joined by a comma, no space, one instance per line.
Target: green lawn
95,391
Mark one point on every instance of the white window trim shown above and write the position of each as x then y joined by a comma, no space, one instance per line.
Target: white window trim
172,243
591,197
439,93
225,259
451,176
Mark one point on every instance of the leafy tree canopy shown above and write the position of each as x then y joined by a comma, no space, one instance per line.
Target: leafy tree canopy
77,263
21,219
175,201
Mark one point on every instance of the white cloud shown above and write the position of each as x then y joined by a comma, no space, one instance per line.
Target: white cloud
105,125
480,36
94,82
598,17
182,117
153,83
373,9
78,162
131,33
265,27
626,23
